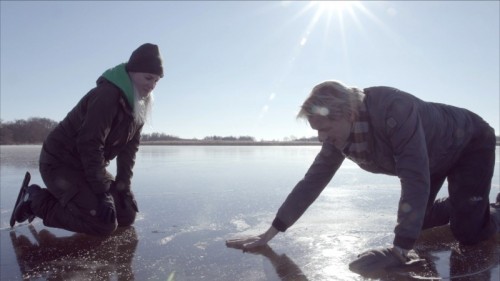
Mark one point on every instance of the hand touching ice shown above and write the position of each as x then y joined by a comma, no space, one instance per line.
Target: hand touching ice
247,243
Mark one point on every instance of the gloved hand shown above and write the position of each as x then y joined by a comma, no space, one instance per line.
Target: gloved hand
379,259
126,199
124,196
106,207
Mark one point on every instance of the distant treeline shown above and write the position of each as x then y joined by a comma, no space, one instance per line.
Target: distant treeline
35,130
164,137
31,131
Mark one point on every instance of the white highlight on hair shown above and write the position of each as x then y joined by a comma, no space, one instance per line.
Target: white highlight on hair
142,107
320,110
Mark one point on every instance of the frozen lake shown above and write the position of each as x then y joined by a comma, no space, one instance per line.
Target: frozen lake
192,198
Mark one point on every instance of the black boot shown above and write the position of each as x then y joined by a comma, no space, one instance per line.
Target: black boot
22,210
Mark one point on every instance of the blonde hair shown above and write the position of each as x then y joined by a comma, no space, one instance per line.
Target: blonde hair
332,99
142,107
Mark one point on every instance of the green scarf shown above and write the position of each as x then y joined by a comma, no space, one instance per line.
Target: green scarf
119,76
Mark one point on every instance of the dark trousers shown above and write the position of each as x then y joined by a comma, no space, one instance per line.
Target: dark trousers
69,203
469,184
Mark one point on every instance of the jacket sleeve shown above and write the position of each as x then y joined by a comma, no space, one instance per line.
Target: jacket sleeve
309,188
125,160
101,108
406,135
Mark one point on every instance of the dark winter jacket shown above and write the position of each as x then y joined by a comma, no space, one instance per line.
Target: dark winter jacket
408,138
98,129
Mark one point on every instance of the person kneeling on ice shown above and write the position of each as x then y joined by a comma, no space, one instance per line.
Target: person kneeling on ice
81,195
385,130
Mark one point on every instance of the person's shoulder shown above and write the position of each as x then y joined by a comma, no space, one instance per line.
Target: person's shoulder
385,102
113,94
377,89
105,93
381,90
105,90
379,94
387,94
104,84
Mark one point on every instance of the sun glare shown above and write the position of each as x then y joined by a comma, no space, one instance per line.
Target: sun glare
331,6
333,10
328,11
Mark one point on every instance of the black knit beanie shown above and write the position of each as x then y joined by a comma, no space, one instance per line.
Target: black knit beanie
146,59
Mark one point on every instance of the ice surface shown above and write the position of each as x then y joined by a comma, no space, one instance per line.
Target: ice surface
192,199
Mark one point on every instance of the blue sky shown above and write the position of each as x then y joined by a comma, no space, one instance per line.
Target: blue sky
244,68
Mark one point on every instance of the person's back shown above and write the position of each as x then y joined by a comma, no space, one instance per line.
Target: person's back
447,129
65,141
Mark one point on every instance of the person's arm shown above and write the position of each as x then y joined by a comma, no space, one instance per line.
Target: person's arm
407,138
125,162
325,165
403,128
302,196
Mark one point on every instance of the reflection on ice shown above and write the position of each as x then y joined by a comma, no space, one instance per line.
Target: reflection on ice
286,268
191,199
43,255
448,259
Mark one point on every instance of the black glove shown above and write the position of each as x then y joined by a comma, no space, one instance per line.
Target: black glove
106,207
379,259
126,199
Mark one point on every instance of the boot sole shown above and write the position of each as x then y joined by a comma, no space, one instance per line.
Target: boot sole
21,194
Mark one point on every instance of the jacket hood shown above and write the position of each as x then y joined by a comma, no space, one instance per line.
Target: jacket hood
119,77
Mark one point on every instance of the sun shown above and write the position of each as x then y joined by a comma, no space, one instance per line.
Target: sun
333,6
326,11
333,9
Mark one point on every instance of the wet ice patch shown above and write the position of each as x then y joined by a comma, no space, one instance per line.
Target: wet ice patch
240,224
201,245
167,239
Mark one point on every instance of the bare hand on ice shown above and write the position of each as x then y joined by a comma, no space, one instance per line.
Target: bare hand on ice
250,242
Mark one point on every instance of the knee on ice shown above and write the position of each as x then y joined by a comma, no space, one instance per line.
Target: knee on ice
104,229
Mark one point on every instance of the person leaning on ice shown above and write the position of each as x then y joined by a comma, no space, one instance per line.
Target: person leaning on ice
81,195
385,130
